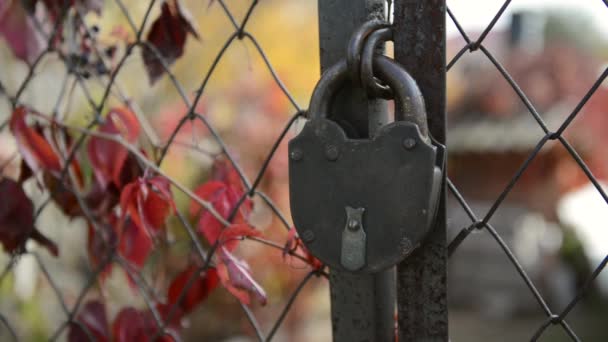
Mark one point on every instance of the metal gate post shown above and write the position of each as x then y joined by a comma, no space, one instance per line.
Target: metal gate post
421,278
362,306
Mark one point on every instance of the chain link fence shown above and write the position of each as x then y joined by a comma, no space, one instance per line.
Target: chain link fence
69,36
481,220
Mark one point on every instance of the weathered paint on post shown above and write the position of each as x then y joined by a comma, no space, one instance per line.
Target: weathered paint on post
421,278
362,306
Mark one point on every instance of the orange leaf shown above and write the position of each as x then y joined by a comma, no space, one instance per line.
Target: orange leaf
35,149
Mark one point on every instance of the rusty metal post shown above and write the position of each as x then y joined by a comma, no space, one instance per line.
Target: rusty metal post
421,278
362,306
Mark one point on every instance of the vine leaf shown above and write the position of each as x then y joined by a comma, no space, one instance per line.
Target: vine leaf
39,155
131,324
224,197
294,244
55,7
134,244
100,247
204,284
148,202
24,36
233,234
17,220
168,36
235,276
19,30
93,317
33,146
108,157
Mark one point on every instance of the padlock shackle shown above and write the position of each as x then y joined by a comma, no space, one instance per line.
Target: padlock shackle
409,103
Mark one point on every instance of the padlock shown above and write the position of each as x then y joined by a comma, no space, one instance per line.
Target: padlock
363,205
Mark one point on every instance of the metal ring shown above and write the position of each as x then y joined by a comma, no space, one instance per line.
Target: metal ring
409,103
355,48
371,86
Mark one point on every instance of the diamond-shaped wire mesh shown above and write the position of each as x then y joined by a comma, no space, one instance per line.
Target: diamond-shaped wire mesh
162,326
482,221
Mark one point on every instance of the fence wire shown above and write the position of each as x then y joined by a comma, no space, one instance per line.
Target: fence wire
111,86
482,221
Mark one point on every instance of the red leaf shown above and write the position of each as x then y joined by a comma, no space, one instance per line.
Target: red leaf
223,197
108,157
93,317
38,154
292,242
235,277
168,35
16,215
164,310
156,203
233,234
134,244
174,322
197,293
101,245
56,6
65,199
129,325
294,245
17,219
20,32
35,149
135,325
101,201
25,172
224,171
131,169
129,198
148,202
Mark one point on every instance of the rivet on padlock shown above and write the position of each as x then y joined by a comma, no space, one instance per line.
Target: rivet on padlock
332,153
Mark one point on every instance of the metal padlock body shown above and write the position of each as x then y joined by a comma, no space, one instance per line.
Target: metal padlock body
393,178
